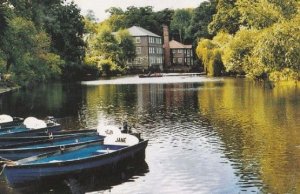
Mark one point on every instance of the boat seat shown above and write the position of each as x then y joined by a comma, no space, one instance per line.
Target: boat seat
52,161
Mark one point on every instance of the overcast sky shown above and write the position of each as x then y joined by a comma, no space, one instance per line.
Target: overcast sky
99,6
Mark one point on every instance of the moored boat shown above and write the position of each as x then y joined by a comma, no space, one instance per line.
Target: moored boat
150,75
116,148
31,126
42,135
9,121
24,150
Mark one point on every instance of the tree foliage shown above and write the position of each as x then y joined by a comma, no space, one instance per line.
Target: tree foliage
181,22
266,43
28,57
40,40
201,17
226,19
65,26
117,48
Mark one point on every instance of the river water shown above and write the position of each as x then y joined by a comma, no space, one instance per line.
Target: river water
206,135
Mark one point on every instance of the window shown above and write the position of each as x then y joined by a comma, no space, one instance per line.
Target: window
159,60
188,53
179,60
173,51
179,51
158,50
138,39
152,50
137,60
174,60
151,40
138,50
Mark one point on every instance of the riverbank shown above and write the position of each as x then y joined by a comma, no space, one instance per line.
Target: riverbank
7,89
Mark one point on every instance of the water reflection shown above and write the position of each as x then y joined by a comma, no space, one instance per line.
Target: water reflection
86,182
208,136
260,131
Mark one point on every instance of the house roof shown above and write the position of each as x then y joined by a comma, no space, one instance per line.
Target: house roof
177,45
138,31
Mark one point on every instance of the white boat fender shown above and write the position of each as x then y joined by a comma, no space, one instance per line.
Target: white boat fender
29,120
109,130
121,139
34,123
5,118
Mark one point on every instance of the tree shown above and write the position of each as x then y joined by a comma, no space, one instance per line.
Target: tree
226,19
126,46
264,13
28,57
3,19
90,15
66,27
238,51
210,53
180,22
201,18
117,48
278,48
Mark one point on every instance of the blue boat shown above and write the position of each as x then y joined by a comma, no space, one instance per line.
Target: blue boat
24,150
94,156
8,121
30,126
38,136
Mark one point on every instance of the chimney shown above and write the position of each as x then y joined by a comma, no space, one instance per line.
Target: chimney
166,46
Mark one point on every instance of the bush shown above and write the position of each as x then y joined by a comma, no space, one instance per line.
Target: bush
107,67
210,52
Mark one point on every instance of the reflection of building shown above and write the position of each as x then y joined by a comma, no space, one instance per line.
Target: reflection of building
150,93
149,49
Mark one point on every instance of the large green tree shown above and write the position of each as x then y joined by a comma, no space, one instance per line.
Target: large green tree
180,22
66,27
27,52
226,19
201,18
109,51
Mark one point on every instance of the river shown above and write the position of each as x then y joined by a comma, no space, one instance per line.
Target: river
206,135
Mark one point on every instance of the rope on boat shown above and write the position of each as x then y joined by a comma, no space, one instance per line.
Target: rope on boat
3,167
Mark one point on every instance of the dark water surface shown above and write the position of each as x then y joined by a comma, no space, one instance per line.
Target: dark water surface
206,135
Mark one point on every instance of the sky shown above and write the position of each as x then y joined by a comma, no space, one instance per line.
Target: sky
99,6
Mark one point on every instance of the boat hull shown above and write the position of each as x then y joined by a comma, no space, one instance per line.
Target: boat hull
16,122
22,174
25,131
26,150
38,136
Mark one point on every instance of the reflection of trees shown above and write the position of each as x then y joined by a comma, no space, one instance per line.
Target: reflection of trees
135,103
108,102
56,99
259,131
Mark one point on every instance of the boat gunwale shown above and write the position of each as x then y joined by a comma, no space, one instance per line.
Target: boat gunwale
48,140
29,131
18,150
22,163
60,134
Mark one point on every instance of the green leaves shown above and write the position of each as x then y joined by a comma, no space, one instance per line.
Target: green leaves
27,53
181,22
117,48
266,43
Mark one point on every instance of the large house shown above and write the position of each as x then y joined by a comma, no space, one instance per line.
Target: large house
149,49
176,53
153,54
